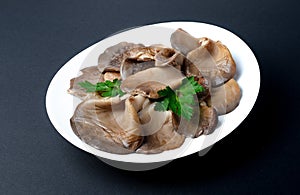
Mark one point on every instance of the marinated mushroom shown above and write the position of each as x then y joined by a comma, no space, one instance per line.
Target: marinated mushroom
142,58
169,57
226,97
149,82
208,120
111,58
108,124
183,41
123,118
91,74
204,121
190,69
111,76
214,60
165,138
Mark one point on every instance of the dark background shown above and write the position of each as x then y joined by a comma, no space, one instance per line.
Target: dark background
37,38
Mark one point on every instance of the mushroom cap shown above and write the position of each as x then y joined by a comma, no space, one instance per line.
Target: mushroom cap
148,82
226,98
214,60
183,41
208,120
108,124
91,74
203,121
165,138
111,76
112,57
169,56
142,58
137,59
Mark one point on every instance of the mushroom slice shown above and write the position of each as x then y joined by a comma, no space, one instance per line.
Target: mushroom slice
226,97
108,124
214,60
183,41
132,66
111,76
203,121
112,57
137,59
149,82
151,120
91,74
208,120
169,56
165,138
190,69
149,89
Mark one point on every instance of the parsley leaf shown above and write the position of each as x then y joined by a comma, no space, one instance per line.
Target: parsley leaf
190,86
88,86
179,101
163,105
106,89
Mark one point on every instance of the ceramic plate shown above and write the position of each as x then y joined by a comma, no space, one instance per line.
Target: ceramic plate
60,105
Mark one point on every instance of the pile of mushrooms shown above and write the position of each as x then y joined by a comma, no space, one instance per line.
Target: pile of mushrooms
129,124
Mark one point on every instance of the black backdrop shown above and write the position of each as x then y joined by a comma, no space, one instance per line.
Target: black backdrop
37,38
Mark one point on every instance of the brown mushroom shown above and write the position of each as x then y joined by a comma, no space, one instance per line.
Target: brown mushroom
183,41
112,57
190,69
91,74
208,120
214,60
204,121
108,124
111,76
169,56
161,133
149,82
138,59
226,97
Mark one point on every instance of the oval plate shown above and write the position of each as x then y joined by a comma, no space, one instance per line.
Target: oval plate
60,105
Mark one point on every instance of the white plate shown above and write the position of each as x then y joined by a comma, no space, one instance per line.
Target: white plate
60,105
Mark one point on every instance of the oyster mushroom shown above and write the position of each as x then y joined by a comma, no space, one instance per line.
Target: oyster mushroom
214,60
108,124
139,59
111,76
190,69
169,56
132,66
112,57
226,97
183,41
151,120
208,120
91,74
164,136
148,82
204,121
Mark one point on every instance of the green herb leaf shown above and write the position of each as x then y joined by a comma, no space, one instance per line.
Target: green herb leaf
88,86
190,86
105,89
162,106
180,101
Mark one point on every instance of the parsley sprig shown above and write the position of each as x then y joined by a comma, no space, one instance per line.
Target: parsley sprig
181,100
105,89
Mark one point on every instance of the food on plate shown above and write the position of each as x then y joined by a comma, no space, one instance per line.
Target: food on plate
211,57
149,99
